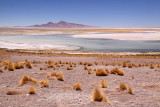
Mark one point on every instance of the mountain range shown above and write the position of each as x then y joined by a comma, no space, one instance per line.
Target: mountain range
62,24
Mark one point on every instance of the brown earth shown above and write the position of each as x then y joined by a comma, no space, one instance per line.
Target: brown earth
144,81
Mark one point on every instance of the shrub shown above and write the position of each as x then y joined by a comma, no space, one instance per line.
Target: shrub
68,68
101,72
40,68
48,75
120,72
88,72
1,71
97,95
130,90
50,65
44,83
151,66
32,90
85,68
60,77
11,66
104,83
25,79
12,92
17,65
28,65
77,86
123,86
130,65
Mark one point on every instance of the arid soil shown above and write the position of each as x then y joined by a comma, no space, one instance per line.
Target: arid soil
144,81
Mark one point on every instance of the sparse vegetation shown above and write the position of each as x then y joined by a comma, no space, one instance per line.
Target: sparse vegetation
123,86
10,66
97,95
1,71
104,83
151,66
25,79
77,86
13,92
101,72
130,90
44,83
60,77
32,90
28,65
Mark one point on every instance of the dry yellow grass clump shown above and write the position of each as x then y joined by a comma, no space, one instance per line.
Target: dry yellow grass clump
98,95
123,86
12,92
28,65
120,72
104,83
10,66
32,90
17,65
101,72
151,66
88,72
60,76
68,68
85,68
130,65
25,79
117,71
77,86
124,64
44,83
1,71
130,90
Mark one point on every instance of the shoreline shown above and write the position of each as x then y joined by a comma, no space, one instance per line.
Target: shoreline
146,35
73,52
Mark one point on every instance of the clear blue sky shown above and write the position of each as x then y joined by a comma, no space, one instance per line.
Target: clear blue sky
104,13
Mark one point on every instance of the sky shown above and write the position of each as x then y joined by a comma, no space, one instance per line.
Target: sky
103,13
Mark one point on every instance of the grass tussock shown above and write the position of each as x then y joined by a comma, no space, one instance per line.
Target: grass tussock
85,68
104,83
28,65
12,92
1,71
60,77
44,83
77,86
97,95
10,66
117,71
151,66
101,72
130,65
32,90
68,68
123,86
88,72
130,90
50,65
17,65
25,79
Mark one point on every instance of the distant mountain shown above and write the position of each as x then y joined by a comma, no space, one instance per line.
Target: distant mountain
62,24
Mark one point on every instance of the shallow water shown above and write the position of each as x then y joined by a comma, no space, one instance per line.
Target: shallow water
66,41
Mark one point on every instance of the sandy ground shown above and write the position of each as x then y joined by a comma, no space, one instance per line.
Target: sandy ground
144,81
123,36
